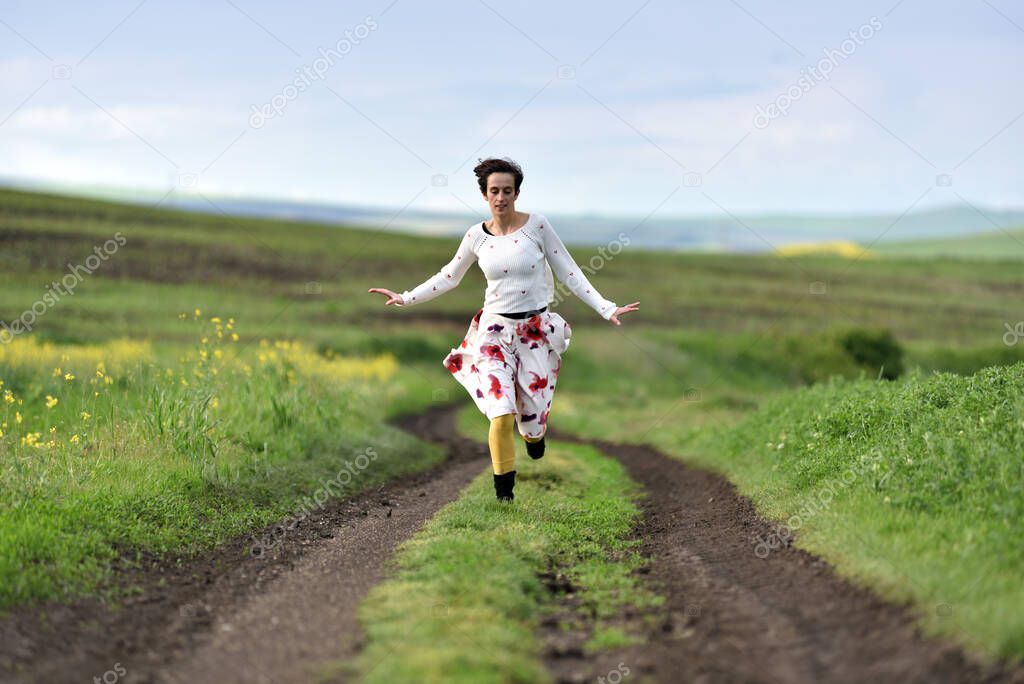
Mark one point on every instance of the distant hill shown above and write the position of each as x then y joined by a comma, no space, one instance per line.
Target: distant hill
744,233
997,244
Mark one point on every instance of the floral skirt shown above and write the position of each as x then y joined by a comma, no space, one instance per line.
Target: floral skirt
510,365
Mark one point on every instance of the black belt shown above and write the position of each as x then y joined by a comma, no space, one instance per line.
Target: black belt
525,314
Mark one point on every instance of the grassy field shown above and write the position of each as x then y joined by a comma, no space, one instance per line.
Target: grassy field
1005,244
282,279
170,435
122,447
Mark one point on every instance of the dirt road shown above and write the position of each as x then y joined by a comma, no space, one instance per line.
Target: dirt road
730,616
233,617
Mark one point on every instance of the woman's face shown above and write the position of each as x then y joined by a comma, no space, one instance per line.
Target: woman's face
501,194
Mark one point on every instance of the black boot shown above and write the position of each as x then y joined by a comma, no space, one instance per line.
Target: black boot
535,449
503,485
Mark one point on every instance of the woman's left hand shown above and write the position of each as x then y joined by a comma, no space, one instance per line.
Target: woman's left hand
614,318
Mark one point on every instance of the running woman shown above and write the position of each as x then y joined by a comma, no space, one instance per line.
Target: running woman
511,355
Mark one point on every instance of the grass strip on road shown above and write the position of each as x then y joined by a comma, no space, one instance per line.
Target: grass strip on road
465,600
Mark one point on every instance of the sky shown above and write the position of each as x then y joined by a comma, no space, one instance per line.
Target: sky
639,108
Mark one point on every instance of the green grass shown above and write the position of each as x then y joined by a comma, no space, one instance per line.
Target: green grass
947,538
463,602
914,488
997,245
719,351
259,270
102,461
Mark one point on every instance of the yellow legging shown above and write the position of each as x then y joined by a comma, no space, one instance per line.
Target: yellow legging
502,443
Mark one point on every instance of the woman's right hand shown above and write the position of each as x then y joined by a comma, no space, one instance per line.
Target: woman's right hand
393,297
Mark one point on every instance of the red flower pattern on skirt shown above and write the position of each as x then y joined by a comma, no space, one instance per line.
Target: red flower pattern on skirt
511,365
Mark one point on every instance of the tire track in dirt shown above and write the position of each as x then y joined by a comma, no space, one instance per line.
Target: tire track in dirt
231,617
733,617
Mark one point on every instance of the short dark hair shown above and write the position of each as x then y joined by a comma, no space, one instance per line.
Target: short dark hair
486,167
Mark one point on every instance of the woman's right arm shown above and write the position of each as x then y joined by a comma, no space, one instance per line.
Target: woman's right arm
447,278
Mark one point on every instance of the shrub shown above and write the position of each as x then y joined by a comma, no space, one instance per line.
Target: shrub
874,350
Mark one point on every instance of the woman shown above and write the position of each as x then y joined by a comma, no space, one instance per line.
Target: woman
512,353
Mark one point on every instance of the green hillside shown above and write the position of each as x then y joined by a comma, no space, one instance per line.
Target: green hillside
1005,244
211,371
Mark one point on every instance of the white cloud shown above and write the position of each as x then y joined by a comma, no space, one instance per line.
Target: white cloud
46,162
63,120
89,122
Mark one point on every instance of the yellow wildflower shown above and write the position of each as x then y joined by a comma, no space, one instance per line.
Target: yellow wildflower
17,417
51,401
74,439
86,415
69,377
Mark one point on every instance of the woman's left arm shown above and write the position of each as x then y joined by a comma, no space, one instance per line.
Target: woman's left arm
569,272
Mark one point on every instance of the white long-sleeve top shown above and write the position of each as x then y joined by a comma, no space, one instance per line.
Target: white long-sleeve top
518,270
